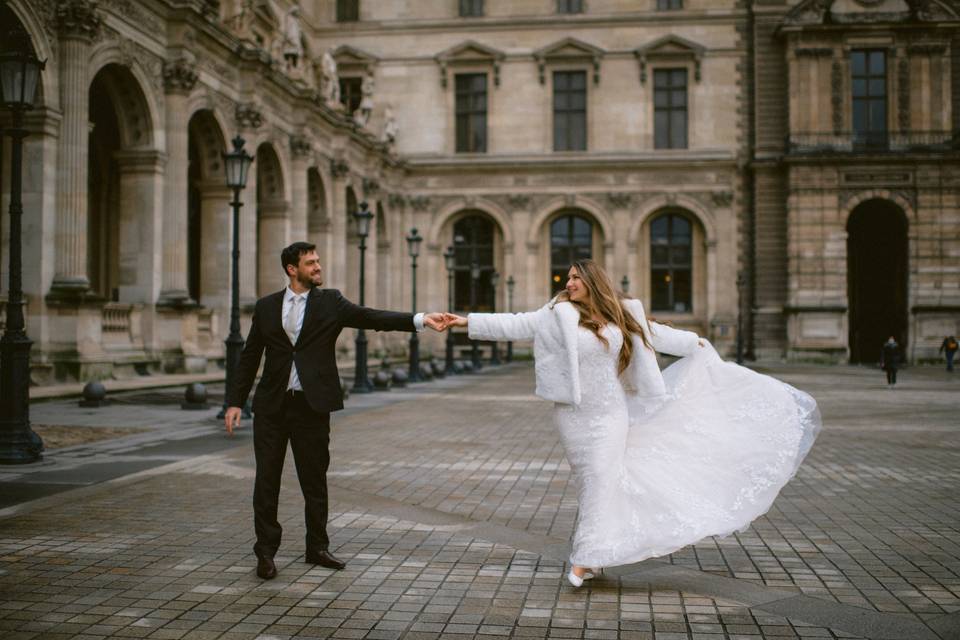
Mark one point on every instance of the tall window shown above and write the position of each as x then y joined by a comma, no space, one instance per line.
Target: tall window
471,8
350,93
471,111
473,242
569,111
571,239
348,10
671,263
869,74
670,108
669,5
569,6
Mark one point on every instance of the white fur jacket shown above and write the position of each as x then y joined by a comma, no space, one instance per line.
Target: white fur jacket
553,329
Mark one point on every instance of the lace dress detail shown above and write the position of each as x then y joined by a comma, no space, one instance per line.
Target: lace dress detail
705,460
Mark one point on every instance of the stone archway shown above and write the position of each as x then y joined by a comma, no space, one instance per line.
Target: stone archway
208,210
122,177
877,269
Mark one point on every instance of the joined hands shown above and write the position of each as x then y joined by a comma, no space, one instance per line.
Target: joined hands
443,321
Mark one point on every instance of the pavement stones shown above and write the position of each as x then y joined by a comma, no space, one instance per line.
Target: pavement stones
454,508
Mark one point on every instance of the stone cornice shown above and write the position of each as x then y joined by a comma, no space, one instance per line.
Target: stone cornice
585,162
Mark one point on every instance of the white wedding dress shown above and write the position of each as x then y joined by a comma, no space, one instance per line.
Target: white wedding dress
705,460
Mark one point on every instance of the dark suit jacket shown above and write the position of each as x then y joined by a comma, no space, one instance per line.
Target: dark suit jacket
326,314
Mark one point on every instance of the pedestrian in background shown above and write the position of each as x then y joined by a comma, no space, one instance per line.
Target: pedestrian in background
949,347
890,360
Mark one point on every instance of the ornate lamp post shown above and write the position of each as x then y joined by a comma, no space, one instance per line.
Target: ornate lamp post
450,260
474,283
511,283
19,74
413,249
495,350
361,381
236,167
625,285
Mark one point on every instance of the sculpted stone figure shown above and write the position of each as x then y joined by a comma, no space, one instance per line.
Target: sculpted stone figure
331,83
362,115
390,126
292,37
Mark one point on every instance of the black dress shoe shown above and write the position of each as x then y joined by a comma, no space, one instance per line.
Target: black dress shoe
324,559
266,569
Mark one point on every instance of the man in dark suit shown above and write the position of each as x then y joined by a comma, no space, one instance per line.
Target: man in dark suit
300,386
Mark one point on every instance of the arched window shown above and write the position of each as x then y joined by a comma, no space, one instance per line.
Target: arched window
473,242
571,239
671,263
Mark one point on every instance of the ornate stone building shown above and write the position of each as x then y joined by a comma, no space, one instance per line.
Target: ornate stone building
678,142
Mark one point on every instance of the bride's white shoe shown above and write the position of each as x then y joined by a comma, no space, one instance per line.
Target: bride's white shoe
578,581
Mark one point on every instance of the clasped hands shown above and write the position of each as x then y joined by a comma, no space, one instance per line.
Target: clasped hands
443,321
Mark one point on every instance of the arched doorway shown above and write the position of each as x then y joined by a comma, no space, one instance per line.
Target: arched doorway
208,211
876,278
120,175
571,239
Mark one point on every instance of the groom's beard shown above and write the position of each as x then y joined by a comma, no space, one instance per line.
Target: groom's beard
307,282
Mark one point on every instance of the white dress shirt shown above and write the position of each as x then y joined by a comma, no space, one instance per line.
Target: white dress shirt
293,325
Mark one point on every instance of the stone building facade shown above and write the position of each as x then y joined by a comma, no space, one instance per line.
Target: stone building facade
680,143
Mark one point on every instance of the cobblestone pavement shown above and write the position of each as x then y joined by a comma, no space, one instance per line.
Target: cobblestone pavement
453,507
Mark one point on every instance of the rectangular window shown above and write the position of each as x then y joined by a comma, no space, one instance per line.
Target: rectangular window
471,112
869,79
669,5
348,10
569,111
350,93
471,8
569,6
670,108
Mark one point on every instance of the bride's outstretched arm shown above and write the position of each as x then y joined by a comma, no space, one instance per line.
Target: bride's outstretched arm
675,342
498,326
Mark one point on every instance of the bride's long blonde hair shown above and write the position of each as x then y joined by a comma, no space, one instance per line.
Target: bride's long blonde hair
604,301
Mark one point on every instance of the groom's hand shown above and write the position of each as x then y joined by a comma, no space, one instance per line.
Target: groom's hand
231,419
435,321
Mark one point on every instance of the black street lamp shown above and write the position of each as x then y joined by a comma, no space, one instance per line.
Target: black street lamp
511,283
413,249
236,165
474,283
361,381
494,350
19,444
450,260
625,285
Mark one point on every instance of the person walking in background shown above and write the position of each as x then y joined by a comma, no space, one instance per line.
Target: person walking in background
949,348
890,360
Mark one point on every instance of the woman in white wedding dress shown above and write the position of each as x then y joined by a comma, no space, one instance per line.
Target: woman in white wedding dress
662,460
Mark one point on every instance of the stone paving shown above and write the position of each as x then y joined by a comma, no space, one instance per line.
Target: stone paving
453,507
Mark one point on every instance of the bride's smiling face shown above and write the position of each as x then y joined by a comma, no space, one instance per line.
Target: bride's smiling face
576,289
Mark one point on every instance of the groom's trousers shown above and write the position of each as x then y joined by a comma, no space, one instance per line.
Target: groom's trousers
309,435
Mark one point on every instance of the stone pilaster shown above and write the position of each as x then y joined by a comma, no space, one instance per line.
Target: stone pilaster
300,151
78,23
179,78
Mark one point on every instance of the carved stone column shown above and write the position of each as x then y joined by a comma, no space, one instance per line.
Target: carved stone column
179,78
78,23
300,150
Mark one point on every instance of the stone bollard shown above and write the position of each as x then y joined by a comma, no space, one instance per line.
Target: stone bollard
382,381
426,370
458,367
400,378
195,397
466,365
344,391
438,370
94,394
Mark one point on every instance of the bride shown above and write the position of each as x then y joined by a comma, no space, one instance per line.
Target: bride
662,459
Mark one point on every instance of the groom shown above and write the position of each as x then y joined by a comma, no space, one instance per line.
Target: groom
300,386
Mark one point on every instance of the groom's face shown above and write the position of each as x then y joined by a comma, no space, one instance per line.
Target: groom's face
309,272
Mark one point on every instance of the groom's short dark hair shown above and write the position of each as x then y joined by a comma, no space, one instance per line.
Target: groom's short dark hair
291,255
